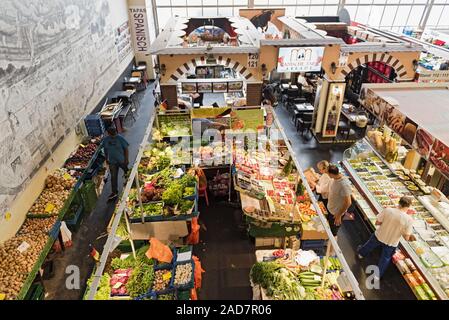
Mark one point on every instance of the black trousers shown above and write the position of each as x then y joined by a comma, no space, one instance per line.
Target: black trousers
113,169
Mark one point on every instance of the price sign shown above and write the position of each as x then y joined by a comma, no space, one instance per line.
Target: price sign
23,247
49,207
67,176
166,276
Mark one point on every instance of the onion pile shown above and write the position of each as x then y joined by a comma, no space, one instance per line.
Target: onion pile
14,265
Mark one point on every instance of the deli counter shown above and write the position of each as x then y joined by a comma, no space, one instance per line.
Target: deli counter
380,184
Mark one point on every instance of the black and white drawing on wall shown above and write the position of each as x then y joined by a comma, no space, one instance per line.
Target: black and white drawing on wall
44,46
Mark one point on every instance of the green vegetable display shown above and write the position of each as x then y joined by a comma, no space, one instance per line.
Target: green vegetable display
104,289
149,209
141,279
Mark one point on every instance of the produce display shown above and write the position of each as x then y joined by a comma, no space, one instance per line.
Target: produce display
162,280
174,125
163,186
283,278
19,254
158,156
386,187
183,274
104,288
24,252
119,282
413,278
56,191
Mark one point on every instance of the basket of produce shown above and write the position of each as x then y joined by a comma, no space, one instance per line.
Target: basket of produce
183,278
119,281
150,211
167,295
190,192
162,280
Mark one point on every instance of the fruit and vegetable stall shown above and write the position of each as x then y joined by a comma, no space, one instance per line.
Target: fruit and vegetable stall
297,275
23,255
162,190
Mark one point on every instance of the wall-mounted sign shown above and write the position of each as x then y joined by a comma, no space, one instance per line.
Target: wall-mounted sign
204,87
220,87
253,60
235,86
123,41
139,26
300,59
433,76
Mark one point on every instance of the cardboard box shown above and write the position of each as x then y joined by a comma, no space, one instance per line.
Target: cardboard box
314,235
269,242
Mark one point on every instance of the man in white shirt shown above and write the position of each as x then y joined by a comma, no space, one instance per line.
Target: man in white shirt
339,198
393,223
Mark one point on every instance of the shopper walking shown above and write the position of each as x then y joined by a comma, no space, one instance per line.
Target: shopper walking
322,186
393,223
339,198
116,151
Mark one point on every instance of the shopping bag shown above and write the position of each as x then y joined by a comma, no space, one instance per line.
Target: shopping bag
194,236
198,272
159,251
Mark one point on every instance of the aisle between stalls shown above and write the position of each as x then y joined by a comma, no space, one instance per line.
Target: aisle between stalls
93,227
352,233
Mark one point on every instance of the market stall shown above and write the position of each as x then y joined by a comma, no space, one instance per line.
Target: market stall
403,157
66,196
160,198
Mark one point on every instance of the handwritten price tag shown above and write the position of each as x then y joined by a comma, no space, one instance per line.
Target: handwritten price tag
117,285
166,276
23,247
49,207
67,176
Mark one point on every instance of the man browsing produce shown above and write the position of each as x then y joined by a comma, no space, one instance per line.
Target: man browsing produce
116,151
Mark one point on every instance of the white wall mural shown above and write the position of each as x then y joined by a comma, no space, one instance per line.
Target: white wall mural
57,59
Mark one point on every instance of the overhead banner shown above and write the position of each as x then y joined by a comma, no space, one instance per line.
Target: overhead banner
139,27
300,59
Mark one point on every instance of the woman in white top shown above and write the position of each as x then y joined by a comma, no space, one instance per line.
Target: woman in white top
322,186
